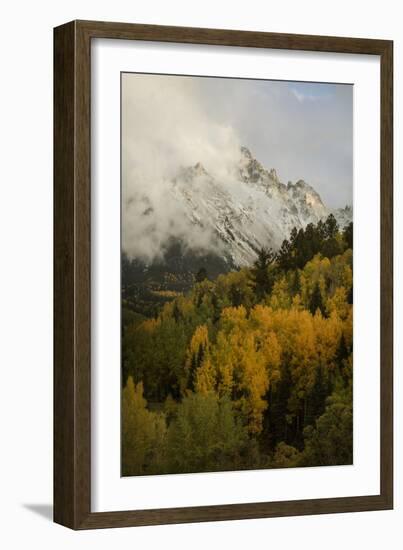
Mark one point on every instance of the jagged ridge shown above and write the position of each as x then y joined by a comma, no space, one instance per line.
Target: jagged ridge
251,208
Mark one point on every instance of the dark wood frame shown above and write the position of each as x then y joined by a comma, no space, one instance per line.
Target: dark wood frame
72,320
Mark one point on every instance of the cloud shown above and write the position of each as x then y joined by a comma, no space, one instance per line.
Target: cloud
304,130
165,126
310,140
304,97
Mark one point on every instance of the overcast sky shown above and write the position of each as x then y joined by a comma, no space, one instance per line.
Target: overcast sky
303,130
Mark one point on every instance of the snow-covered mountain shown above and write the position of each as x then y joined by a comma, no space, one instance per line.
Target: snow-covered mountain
249,207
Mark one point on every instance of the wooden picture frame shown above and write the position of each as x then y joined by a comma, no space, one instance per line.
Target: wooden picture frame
72,269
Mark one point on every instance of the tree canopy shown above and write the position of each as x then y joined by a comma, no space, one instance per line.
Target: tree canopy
250,370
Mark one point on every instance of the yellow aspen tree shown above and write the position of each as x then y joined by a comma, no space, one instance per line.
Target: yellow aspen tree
198,350
280,297
205,378
328,332
150,325
142,431
304,355
222,357
254,383
348,327
338,303
271,351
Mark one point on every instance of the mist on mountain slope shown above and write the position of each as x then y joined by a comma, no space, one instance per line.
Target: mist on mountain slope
183,178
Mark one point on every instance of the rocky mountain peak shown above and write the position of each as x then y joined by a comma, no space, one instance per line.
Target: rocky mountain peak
250,169
246,152
199,169
256,210
273,175
190,173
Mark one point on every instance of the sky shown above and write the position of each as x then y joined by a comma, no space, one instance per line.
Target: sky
303,130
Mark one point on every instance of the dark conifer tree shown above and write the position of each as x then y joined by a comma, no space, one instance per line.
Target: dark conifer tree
316,301
200,355
216,308
342,352
199,300
236,296
261,276
331,227
176,313
295,282
320,231
350,296
348,235
300,250
317,398
312,241
331,247
293,235
284,258
201,275
276,427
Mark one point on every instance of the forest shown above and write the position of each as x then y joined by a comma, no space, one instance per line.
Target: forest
251,370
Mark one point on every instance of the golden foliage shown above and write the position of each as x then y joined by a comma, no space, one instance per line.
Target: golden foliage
143,431
224,346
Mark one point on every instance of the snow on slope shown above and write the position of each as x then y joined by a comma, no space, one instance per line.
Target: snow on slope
250,208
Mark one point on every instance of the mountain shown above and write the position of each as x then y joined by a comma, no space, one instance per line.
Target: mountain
249,208
224,219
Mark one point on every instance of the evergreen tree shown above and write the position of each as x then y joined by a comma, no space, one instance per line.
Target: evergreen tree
176,312
317,398
320,231
330,441
284,256
348,235
261,276
276,428
350,296
293,236
331,247
342,351
295,282
216,308
200,355
201,275
301,249
331,227
311,241
236,296
316,301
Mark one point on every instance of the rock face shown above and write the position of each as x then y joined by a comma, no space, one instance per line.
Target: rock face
250,208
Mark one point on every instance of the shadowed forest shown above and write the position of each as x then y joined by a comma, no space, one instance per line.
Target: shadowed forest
250,370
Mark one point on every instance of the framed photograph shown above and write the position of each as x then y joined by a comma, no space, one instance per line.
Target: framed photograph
222,205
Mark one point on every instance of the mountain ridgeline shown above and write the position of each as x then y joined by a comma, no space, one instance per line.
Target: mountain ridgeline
239,354
247,210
